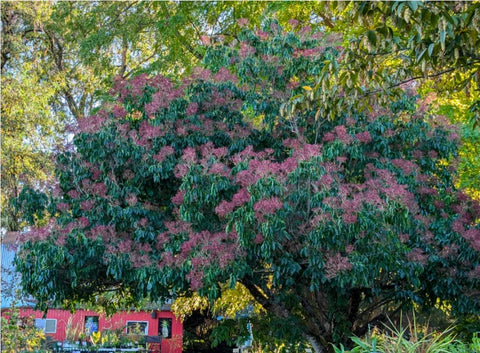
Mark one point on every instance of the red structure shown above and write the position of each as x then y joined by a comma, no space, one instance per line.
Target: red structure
150,323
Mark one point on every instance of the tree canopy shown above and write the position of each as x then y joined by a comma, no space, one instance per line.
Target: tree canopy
331,218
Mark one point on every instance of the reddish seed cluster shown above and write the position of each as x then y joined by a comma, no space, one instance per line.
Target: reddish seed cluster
266,207
336,264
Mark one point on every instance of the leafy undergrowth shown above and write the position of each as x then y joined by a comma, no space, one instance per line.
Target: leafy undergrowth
411,340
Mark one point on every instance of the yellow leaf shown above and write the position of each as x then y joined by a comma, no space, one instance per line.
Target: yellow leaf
307,88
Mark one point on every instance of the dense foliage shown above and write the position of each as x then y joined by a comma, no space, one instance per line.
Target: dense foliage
330,218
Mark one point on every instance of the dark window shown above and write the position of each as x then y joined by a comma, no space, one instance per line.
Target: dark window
165,327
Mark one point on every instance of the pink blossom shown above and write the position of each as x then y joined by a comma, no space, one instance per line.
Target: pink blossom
98,189
306,30
189,155
92,124
473,237
224,208
63,206
192,109
148,131
243,22
306,53
196,279
417,154
83,222
128,174
139,261
245,178
143,222
245,50
96,173
405,165
349,218
342,134
180,170
267,206
42,233
224,75
294,23
475,273
107,233
131,199
417,255
453,136
220,169
205,40
364,137
137,85
289,165
291,85
220,152
178,198
308,151
349,248
433,154
119,112
328,137
164,152
335,264
262,35
241,197
201,73
61,240
87,205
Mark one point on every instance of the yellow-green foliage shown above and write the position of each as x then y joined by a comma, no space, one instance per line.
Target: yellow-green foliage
19,334
232,301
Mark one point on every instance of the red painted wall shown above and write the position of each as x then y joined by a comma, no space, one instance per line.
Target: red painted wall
119,320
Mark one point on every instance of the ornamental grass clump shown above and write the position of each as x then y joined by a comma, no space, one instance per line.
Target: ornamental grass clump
410,339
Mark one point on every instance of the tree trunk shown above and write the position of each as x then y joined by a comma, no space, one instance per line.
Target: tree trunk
316,345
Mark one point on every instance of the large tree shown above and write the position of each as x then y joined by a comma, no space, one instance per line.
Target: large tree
331,220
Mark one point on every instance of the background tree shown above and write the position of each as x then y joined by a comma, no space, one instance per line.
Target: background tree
331,222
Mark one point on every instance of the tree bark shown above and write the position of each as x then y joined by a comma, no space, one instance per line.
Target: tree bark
316,345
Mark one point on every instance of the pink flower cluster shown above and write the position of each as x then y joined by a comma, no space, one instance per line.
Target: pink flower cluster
408,167
265,207
240,198
94,123
87,205
224,75
245,50
364,137
417,255
164,152
243,22
41,233
336,264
